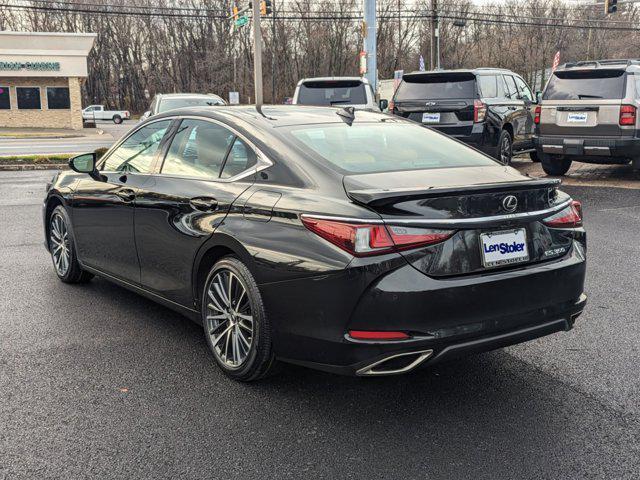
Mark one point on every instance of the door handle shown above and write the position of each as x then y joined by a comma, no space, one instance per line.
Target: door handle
204,204
126,194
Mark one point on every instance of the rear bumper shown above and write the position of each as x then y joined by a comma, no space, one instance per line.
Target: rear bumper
447,318
612,148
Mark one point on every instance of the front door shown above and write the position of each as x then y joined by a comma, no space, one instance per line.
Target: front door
103,210
205,169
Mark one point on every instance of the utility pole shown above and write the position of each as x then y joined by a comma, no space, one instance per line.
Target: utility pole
434,61
370,43
257,53
273,55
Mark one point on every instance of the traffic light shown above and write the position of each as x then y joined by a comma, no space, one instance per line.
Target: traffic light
265,7
610,6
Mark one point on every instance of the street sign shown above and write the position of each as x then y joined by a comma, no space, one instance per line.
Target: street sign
234,98
241,21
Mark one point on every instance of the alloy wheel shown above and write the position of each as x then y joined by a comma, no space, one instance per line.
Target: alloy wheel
59,244
505,150
229,322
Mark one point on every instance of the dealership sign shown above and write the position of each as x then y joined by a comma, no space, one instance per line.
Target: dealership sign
33,66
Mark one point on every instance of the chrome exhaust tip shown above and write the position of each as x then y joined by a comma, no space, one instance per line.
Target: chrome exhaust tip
413,360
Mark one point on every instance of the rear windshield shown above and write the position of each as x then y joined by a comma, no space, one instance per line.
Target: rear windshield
585,85
385,147
172,103
436,86
328,93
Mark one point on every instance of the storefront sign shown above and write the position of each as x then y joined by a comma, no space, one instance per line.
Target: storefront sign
34,66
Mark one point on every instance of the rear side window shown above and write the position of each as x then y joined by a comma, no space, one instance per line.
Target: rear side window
240,158
585,84
436,86
488,86
327,93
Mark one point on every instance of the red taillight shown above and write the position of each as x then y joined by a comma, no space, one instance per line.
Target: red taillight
361,239
377,335
479,111
570,217
627,115
537,112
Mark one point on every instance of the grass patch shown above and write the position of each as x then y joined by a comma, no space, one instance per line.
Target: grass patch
57,159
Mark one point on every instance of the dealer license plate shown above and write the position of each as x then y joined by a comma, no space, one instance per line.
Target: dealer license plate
430,117
504,247
577,118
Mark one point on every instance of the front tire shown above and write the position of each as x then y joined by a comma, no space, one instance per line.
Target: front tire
63,250
556,165
117,119
505,148
235,323
534,156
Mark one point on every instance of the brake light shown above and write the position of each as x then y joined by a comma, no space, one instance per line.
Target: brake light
569,217
377,335
362,239
537,112
627,115
479,111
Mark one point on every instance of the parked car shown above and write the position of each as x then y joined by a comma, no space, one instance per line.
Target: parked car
488,108
170,101
98,112
589,114
335,91
340,240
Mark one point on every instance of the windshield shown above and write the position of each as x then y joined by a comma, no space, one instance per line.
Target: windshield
436,86
172,103
385,147
329,93
585,85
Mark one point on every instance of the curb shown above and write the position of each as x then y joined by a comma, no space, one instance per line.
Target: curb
43,166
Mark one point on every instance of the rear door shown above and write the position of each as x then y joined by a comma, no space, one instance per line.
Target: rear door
205,168
440,100
517,113
583,102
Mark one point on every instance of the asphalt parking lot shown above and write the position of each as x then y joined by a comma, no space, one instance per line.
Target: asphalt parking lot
96,381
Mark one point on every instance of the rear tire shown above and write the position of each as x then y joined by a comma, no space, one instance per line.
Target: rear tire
117,119
235,323
63,249
556,165
504,154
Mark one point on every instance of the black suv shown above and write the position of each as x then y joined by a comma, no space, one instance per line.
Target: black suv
488,108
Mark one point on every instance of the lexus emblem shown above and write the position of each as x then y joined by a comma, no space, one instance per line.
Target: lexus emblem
510,203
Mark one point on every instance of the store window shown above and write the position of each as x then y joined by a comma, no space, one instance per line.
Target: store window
5,101
58,98
28,98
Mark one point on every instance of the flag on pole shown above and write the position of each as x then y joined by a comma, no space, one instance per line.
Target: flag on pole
421,65
556,61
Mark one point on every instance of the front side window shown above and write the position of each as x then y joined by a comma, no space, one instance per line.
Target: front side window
198,149
384,147
137,152
5,99
523,89
28,98
511,89
58,98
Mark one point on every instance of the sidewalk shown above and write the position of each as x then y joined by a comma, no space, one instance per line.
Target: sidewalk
48,133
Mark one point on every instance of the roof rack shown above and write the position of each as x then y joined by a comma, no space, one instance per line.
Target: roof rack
606,61
492,68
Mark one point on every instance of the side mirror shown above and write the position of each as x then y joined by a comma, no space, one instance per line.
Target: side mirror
85,163
538,96
383,104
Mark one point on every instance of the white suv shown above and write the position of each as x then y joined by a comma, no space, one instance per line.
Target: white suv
336,92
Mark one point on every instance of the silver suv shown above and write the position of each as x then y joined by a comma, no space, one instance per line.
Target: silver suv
588,113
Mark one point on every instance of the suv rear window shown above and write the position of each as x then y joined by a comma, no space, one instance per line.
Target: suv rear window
436,86
332,92
585,84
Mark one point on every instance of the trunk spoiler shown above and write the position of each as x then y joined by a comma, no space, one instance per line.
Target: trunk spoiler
381,197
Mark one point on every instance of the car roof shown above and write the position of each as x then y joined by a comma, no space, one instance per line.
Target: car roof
473,71
188,95
333,79
630,63
274,116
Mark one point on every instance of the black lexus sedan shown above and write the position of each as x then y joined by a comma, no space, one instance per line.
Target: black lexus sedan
349,241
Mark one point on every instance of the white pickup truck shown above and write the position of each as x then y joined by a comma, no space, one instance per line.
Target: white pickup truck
97,112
